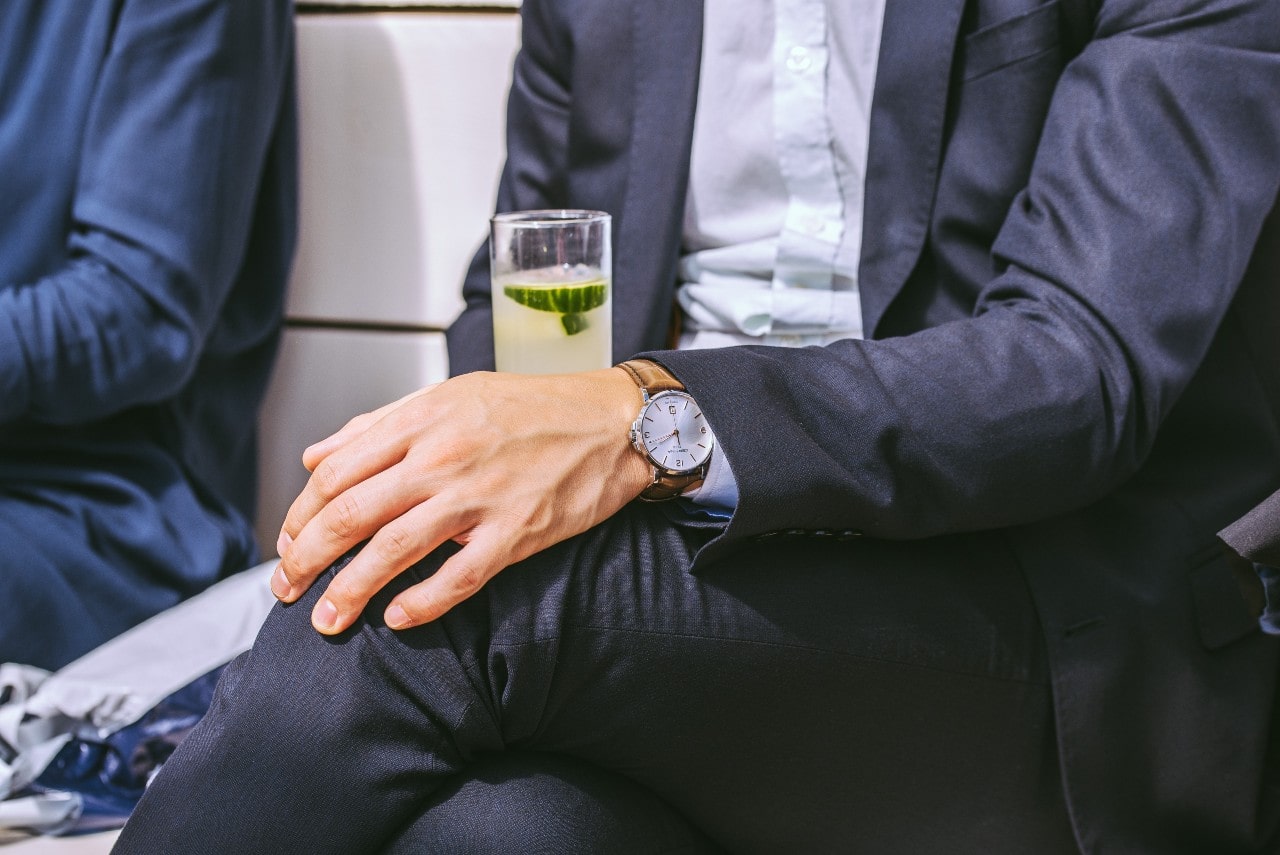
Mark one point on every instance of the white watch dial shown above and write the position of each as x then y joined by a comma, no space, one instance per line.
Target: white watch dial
674,432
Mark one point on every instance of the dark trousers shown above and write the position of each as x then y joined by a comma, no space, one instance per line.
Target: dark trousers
808,696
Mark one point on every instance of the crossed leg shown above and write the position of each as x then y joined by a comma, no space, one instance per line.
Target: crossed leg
547,804
798,698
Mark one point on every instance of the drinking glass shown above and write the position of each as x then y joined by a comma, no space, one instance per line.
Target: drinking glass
552,291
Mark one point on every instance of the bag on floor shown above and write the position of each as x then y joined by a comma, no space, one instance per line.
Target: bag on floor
78,746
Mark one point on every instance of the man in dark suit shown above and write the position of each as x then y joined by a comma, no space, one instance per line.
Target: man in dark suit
969,597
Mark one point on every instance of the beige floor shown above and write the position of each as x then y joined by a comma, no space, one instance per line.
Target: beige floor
89,844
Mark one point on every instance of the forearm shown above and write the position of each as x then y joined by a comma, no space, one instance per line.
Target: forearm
84,344
175,139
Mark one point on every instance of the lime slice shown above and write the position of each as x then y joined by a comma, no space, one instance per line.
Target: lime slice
570,301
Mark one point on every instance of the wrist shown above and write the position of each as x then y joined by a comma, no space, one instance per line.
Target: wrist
632,470
669,433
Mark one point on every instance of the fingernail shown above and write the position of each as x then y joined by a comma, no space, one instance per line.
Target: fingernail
396,617
280,584
325,614
283,542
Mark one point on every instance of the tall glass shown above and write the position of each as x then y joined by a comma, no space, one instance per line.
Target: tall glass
552,291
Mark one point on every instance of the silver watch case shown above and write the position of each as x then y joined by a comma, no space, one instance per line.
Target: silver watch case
671,431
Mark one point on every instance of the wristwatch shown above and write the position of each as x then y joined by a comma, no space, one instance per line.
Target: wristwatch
670,431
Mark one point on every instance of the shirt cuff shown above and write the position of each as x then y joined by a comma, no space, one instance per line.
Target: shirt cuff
1270,620
717,495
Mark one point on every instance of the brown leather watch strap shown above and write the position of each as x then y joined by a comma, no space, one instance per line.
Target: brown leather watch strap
651,377
670,486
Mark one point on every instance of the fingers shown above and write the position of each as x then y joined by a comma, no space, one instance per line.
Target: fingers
360,460
412,475
316,452
460,577
346,520
397,546
331,475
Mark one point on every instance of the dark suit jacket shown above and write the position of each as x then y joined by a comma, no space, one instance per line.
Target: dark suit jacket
1069,343
1256,535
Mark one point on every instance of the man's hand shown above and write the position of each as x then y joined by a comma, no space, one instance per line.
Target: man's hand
503,464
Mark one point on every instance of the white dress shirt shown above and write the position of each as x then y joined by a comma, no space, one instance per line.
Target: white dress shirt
773,217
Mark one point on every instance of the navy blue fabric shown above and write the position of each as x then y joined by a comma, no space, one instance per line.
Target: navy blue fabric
537,803
147,208
1065,386
110,774
805,699
1069,267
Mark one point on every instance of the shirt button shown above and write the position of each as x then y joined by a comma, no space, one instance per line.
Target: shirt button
798,59
810,223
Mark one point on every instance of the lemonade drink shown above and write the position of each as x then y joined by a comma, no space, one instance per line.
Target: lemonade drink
553,320
552,277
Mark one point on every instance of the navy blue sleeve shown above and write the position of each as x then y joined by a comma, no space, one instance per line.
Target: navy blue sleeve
181,119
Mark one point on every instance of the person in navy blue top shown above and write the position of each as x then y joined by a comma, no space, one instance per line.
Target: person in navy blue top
147,221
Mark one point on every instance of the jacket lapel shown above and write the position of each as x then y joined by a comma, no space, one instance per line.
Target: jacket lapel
667,51
908,113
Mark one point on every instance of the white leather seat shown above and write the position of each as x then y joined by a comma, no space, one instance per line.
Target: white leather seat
401,131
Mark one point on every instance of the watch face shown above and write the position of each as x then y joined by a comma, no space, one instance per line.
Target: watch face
674,432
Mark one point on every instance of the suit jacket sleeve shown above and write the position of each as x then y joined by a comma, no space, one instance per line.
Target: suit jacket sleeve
1155,170
178,133
536,171
1256,535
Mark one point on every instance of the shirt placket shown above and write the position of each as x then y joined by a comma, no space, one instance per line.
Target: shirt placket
813,227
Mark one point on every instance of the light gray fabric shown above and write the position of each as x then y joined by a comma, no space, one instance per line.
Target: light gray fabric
116,684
